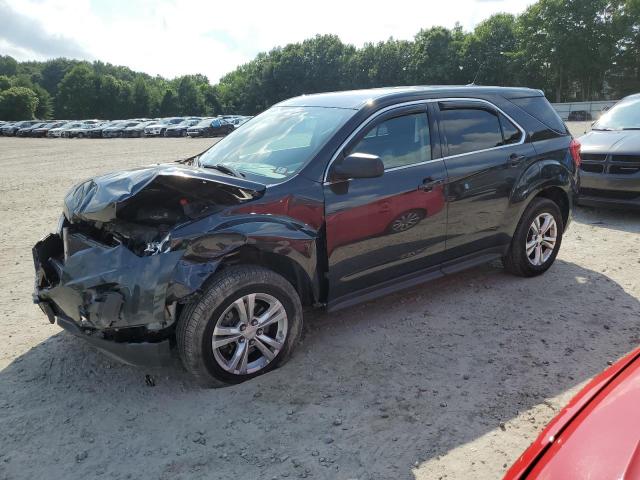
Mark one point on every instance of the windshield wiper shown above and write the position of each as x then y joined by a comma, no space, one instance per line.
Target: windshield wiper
631,128
224,169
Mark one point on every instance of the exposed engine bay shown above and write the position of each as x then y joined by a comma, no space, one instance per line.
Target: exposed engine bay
138,208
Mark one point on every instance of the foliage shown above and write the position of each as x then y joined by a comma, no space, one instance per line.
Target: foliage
571,49
169,105
18,103
5,82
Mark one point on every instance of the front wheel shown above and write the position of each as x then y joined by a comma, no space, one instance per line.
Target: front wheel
246,323
537,239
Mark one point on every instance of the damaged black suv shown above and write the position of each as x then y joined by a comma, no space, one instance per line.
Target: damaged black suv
323,200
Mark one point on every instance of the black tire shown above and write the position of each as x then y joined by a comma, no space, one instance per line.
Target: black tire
194,333
516,261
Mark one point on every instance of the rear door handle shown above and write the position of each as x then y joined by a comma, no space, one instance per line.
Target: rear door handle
515,159
429,183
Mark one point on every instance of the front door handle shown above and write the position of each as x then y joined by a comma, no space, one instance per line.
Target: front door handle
515,159
429,183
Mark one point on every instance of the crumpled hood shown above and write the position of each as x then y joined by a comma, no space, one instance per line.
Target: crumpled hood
618,142
100,198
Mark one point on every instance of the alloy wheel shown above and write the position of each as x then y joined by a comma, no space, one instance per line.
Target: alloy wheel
405,222
541,239
250,333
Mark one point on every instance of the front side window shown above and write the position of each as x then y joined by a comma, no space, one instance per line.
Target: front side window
471,129
399,141
277,143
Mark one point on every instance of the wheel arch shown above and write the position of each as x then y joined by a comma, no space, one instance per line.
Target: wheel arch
290,252
559,197
280,264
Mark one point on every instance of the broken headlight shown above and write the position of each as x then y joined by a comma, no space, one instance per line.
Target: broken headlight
155,248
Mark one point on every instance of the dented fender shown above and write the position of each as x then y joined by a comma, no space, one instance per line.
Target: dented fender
279,237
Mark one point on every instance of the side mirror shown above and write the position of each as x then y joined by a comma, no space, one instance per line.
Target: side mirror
358,165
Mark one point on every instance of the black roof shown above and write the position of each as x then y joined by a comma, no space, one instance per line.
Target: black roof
355,99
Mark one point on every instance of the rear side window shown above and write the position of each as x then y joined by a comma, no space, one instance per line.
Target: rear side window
541,109
470,129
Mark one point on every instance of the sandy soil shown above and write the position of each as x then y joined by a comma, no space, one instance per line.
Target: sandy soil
452,379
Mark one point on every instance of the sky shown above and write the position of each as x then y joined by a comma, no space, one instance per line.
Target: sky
173,37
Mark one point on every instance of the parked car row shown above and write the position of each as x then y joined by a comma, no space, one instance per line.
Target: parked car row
133,128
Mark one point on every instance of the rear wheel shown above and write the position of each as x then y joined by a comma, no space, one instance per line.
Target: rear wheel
537,239
246,323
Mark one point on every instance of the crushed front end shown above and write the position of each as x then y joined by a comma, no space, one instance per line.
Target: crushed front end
106,294
112,273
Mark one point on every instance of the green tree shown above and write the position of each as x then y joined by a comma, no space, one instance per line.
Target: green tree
113,98
567,45
169,106
437,56
190,98
383,64
53,71
623,78
44,110
77,93
8,65
489,52
211,100
141,98
4,82
18,103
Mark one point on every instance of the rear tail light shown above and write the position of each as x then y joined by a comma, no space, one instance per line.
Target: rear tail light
574,148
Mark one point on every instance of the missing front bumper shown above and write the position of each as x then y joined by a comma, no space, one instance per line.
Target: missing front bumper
147,354
101,286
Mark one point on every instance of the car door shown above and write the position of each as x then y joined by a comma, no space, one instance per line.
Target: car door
383,228
484,156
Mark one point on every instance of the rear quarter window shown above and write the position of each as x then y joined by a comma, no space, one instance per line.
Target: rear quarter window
541,109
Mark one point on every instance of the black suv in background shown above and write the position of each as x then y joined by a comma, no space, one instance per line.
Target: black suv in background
323,200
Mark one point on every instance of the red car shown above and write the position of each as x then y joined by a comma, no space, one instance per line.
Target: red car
596,436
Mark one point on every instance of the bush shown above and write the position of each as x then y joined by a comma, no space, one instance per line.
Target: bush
18,103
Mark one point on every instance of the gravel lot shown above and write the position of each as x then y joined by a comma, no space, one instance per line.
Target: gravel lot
452,379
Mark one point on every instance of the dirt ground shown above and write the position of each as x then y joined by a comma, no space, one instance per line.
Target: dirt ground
452,379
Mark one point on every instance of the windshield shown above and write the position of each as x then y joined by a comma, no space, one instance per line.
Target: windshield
277,143
204,123
624,115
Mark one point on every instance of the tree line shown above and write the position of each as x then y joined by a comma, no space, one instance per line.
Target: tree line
570,49
72,89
